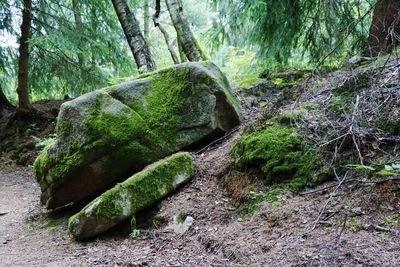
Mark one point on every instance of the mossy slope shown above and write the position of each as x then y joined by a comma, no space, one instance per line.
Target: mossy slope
131,196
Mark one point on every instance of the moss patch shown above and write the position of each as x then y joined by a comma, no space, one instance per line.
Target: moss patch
279,153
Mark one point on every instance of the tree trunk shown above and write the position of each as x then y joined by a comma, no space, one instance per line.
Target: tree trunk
78,24
167,38
4,103
385,27
181,53
23,68
185,35
137,43
146,24
6,114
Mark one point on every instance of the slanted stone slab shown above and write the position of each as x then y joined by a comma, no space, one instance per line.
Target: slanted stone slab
131,196
110,133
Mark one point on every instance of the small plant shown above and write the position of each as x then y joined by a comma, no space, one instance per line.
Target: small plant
355,224
339,223
134,234
53,224
392,221
42,143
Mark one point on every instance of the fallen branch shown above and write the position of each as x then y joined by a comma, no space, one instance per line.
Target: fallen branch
325,188
218,140
327,202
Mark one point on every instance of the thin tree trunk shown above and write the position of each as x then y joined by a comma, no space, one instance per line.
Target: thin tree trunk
78,23
168,41
23,68
167,38
146,15
185,35
385,27
137,43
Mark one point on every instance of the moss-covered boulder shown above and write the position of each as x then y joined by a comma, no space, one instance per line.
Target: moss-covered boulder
281,155
110,133
131,196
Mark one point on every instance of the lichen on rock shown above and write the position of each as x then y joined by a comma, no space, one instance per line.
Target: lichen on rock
136,193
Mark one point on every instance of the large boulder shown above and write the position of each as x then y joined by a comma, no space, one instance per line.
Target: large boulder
108,134
136,193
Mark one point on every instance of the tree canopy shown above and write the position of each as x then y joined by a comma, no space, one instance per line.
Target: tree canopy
77,46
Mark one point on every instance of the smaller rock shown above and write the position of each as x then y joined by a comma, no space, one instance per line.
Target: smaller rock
131,196
182,224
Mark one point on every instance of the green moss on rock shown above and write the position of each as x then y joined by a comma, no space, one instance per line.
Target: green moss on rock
108,132
131,196
280,154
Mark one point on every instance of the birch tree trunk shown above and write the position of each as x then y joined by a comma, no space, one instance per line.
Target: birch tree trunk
23,62
146,22
385,27
137,43
164,32
182,55
185,35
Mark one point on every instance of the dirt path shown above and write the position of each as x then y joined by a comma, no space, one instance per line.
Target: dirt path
276,235
24,238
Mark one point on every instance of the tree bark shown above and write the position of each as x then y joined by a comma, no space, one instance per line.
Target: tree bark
385,28
23,66
167,38
185,35
78,24
137,43
182,55
146,23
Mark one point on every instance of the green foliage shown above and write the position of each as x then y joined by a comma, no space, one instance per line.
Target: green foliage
241,68
392,220
293,29
42,143
280,154
392,169
134,234
75,47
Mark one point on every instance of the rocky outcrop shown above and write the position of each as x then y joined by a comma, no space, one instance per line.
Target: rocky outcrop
131,196
110,133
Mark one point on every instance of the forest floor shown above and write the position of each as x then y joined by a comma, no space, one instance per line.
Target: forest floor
278,234
358,227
